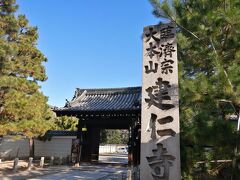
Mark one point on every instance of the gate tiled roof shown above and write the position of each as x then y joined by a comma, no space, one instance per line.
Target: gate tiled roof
110,99
51,133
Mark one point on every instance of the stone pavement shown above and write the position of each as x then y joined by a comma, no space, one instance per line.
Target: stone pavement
89,172
114,158
111,167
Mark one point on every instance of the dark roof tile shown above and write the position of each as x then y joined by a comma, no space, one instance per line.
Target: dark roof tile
61,133
105,99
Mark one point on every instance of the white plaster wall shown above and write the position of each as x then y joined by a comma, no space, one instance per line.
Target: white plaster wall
110,148
57,146
10,146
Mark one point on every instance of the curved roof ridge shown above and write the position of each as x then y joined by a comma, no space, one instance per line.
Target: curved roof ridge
101,99
109,90
78,98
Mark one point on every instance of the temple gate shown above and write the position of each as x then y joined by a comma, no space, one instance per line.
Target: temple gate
96,109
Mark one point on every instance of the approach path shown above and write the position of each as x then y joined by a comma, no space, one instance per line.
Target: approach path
111,167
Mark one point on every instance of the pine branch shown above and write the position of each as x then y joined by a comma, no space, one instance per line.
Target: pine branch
196,37
180,26
219,65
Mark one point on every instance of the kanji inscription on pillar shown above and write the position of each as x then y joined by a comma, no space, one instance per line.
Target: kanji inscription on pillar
160,143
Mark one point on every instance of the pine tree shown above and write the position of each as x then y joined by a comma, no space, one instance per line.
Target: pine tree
113,136
66,123
22,105
209,57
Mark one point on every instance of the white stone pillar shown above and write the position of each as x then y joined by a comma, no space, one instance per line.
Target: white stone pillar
51,161
129,175
42,162
30,163
160,146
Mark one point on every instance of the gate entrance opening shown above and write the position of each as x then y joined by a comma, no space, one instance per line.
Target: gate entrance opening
113,147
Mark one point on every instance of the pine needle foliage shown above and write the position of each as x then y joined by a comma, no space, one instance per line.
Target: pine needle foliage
66,123
22,106
208,37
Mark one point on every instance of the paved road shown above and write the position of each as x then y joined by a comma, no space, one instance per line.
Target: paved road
113,158
88,172
112,167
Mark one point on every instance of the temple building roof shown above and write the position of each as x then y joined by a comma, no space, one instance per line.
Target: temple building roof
51,133
110,99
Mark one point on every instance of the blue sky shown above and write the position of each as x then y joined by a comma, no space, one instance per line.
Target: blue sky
89,44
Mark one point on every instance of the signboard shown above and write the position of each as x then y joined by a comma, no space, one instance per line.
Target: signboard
160,146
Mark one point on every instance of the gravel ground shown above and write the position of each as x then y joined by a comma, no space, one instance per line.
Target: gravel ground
90,171
22,172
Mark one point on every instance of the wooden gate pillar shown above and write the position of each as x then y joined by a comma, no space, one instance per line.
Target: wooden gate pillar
90,144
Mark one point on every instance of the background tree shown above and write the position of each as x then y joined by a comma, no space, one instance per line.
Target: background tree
209,57
22,105
113,136
66,123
